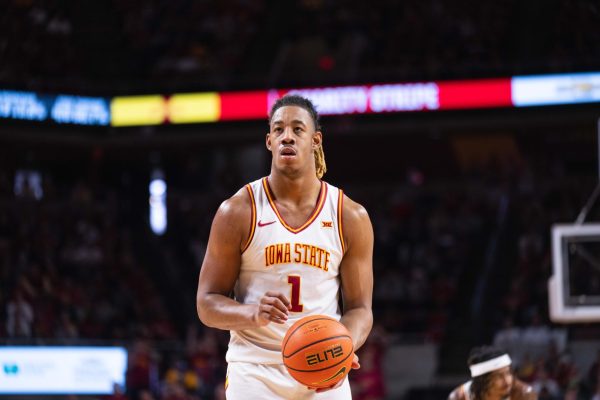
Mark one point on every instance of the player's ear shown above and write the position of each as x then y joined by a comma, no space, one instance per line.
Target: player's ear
268,142
317,139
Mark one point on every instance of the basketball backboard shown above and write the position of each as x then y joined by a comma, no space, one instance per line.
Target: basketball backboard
574,288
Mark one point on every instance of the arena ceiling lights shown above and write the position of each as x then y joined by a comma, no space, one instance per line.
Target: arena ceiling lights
187,108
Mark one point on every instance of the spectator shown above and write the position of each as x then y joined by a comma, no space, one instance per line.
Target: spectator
19,317
509,338
545,386
537,337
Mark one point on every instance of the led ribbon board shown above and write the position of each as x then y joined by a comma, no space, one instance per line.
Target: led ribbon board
187,108
62,109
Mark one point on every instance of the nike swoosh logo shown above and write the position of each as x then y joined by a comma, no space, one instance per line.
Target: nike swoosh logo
342,371
265,223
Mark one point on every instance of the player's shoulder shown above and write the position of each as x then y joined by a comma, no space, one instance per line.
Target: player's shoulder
523,391
356,224
235,208
459,393
353,211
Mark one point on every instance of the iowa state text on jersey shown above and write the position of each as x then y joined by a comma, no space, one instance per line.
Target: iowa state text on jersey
307,254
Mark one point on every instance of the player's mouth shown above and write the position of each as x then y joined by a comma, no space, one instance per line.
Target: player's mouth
287,152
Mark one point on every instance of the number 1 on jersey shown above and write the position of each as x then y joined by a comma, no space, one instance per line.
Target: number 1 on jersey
294,281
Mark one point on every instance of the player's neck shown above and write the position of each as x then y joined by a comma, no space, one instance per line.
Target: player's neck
294,189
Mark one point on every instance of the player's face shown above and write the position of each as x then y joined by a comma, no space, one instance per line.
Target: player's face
292,139
501,383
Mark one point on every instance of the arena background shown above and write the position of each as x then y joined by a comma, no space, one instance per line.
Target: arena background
462,199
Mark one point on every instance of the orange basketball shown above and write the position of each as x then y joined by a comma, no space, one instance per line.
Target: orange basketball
317,351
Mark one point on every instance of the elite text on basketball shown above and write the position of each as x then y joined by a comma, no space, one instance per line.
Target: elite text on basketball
325,355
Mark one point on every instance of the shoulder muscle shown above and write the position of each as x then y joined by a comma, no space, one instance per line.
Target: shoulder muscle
233,218
357,226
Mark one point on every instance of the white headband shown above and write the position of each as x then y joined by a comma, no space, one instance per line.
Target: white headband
483,368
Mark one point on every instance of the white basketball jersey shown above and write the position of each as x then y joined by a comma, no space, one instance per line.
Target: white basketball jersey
302,263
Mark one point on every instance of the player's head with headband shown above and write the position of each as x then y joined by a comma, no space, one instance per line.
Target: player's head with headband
293,100
491,373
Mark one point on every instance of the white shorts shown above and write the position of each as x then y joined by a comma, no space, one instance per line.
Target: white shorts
248,381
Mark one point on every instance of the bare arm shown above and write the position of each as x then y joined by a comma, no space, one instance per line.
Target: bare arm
357,272
221,268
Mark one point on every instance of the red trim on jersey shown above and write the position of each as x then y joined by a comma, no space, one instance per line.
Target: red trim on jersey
253,222
313,216
340,212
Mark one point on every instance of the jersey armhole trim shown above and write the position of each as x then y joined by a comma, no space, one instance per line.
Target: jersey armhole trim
253,219
340,212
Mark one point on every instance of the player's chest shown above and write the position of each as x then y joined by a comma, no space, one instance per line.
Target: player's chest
315,249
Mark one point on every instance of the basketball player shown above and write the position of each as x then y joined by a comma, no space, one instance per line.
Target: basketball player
493,378
285,245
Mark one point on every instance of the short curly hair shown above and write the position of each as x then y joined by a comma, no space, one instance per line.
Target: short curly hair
298,101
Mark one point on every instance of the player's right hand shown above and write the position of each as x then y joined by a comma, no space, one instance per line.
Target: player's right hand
355,365
272,307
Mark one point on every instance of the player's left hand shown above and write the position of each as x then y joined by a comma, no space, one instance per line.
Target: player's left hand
355,365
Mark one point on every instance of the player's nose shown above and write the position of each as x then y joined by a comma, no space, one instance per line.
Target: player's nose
288,136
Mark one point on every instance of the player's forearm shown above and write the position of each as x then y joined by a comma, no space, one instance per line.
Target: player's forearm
359,322
222,312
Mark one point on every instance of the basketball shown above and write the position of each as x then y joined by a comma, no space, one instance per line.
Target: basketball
317,351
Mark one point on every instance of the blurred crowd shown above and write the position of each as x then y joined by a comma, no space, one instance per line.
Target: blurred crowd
425,237
212,45
69,269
